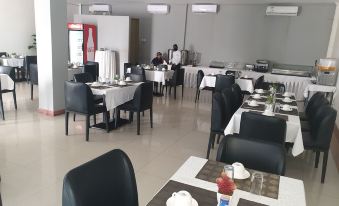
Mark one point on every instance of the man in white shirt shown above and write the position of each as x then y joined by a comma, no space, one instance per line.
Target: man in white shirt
176,58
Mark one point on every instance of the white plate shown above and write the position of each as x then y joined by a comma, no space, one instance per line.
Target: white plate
259,92
287,101
253,105
129,80
170,202
287,95
246,175
256,97
286,110
268,114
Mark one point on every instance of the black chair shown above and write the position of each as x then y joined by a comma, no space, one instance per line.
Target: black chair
312,104
93,69
106,180
176,80
312,111
221,115
223,82
318,139
230,73
34,79
137,77
11,73
138,73
279,86
200,76
237,97
259,83
28,61
127,65
142,100
261,127
253,154
79,99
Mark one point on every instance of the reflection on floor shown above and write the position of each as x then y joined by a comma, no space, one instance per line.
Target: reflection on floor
35,154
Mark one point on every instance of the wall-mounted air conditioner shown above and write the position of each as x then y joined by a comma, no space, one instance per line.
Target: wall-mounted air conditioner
158,8
204,8
282,11
100,9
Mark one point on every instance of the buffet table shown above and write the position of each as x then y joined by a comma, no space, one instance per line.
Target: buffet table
293,84
12,62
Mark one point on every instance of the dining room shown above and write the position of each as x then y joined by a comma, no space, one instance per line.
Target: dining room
177,103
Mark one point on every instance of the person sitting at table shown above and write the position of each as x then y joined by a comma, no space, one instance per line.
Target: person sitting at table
158,60
176,58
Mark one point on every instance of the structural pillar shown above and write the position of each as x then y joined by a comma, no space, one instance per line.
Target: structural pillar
52,52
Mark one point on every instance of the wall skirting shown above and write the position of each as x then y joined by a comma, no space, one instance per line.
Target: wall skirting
335,146
51,113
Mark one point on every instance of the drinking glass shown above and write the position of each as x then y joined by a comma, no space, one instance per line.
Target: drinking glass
229,170
256,183
277,108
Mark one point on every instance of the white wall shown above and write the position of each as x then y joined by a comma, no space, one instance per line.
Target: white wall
17,26
113,33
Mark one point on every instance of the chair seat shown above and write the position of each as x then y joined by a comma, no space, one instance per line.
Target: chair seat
305,126
307,140
302,116
128,106
98,99
208,88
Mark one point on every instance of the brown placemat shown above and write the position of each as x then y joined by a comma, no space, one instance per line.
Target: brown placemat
260,107
202,196
280,96
280,101
293,112
262,99
212,170
100,87
246,78
117,85
284,117
243,202
266,93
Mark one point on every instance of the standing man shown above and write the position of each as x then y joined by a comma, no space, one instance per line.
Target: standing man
176,58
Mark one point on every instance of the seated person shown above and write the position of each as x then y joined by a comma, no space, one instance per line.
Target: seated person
158,60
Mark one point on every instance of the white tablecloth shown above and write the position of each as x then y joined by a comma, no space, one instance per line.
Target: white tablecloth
158,76
293,84
291,191
107,63
12,62
115,96
311,88
245,84
6,82
293,129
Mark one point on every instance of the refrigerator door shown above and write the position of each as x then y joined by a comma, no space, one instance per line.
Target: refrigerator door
76,46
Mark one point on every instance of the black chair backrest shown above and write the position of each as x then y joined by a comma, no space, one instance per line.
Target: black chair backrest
227,96
230,73
178,77
3,54
138,73
259,83
10,71
218,117
322,125
223,82
137,77
316,100
33,73
200,76
127,65
83,77
30,60
253,154
93,69
143,96
106,180
78,98
237,97
313,109
258,126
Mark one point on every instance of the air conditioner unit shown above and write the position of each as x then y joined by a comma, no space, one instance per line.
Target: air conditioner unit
100,9
282,11
204,8
158,8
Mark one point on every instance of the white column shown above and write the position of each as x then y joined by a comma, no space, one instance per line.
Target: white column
52,52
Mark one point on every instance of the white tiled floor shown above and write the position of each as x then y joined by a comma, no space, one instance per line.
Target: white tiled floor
35,154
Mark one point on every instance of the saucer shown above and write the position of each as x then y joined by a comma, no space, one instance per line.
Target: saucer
256,97
170,202
286,110
287,101
130,80
246,175
259,91
122,83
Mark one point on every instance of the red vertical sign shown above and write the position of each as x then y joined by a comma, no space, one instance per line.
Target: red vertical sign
90,42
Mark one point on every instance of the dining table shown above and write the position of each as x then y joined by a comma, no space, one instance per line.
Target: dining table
293,125
197,176
160,77
12,61
245,83
114,95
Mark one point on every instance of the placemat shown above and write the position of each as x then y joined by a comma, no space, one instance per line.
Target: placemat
280,96
293,112
243,202
266,93
262,99
284,117
117,85
100,87
212,170
280,101
260,107
246,78
202,196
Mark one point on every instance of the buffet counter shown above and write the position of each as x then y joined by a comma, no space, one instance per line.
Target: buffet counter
293,84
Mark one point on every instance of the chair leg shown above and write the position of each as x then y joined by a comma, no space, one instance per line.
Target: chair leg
218,140
317,155
170,90
95,119
66,123
107,121
143,113
31,91
210,141
87,127
138,123
131,116
14,97
2,107
151,116
182,91
74,117
175,92
323,172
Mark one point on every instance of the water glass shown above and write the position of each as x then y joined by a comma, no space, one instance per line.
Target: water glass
277,108
229,170
256,183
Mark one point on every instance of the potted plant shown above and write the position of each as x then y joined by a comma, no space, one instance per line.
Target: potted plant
270,102
226,187
33,45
